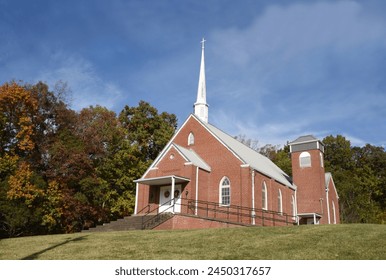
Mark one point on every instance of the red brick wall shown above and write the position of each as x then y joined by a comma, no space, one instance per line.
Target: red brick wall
272,197
143,199
187,222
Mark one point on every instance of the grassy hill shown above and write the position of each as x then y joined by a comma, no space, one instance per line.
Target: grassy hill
357,241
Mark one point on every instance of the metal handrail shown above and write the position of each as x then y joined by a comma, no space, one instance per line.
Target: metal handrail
156,217
214,210
265,215
148,209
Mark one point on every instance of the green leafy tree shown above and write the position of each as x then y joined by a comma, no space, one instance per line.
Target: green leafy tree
282,159
374,158
53,208
119,171
148,129
359,177
338,154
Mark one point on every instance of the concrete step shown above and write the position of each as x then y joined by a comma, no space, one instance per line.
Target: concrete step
131,223
126,223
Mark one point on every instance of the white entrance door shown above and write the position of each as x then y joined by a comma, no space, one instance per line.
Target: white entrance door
164,200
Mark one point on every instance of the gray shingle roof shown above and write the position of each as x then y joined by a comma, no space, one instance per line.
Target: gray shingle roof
249,156
193,157
303,139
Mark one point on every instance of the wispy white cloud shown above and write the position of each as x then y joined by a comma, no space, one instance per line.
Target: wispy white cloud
86,85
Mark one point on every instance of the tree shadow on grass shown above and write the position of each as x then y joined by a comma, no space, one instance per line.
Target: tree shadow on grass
34,256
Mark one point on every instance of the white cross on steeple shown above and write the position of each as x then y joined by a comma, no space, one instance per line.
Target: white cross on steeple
201,107
203,43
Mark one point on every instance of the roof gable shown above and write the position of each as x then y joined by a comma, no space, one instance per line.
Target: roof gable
193,157
189,156
328,179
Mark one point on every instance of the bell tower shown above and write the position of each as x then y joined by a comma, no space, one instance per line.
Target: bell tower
201,107
307,156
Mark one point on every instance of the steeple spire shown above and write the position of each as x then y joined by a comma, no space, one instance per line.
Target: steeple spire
201,107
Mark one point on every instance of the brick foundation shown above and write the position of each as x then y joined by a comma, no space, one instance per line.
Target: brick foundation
191,222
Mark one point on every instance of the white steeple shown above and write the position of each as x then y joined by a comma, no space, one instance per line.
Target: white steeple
201,107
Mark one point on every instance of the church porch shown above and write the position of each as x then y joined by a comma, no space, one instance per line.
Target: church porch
162,194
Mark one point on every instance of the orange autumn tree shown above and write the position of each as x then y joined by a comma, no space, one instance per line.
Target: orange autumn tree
21,185
18,107
29,203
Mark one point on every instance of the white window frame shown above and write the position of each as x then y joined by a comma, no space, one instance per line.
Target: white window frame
264,196
333,211
280,202
305,159
225,183
191,139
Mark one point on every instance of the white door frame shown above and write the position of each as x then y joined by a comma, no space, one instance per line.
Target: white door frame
167,193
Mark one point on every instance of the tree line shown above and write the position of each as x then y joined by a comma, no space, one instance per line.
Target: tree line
62,170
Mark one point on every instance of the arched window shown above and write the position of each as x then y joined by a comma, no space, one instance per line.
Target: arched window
191,139
279,202
225,192
293,206
333,212
305,159
264,196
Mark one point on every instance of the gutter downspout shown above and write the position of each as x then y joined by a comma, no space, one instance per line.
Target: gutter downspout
296,206
253,197
196,203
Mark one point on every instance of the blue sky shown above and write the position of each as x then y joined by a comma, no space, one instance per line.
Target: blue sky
275,70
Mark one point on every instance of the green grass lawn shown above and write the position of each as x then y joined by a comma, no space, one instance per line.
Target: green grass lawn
348,242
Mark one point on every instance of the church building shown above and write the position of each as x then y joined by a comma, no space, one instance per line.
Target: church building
205,178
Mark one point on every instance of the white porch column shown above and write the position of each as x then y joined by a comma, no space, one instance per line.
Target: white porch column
136,199
172,194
